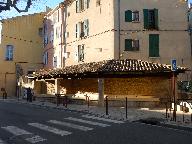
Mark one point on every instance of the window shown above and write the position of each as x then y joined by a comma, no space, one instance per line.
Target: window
52,36
82,29
131,45
9,53
66,34
81,5
80,53
153,45
131,16
55,18
46,39
57,32
135,16
41,32
68,14
98,2
150,18
55,61
45,58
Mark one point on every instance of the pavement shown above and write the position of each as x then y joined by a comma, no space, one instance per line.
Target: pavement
141,115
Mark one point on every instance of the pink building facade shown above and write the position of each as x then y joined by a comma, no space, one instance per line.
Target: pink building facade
53,38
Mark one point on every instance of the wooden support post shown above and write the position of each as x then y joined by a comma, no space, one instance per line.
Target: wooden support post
101,91
57,86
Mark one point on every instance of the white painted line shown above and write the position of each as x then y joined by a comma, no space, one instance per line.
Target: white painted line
74,126
50,129
16,131
102,119
87,122
1,142
35,139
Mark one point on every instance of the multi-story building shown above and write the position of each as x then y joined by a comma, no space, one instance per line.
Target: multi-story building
118,29
96,30
20,50
53,37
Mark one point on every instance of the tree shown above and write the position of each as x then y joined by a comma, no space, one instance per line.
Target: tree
7,4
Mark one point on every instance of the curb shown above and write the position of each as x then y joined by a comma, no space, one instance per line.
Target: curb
157,122
70,110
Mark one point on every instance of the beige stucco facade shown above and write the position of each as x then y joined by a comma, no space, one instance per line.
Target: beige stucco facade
99,44
23,34
107,27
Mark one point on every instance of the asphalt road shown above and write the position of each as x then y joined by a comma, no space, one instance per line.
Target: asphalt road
28,124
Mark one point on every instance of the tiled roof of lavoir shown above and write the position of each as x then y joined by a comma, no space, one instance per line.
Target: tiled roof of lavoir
127,66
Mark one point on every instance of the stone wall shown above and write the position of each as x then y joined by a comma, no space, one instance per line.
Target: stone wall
158,87
140,89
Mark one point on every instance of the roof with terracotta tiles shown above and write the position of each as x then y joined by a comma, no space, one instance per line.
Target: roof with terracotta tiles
126,67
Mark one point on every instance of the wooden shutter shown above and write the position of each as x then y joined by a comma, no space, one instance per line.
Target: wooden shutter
153,45
128,16
146,18
128,44
86,27
156,18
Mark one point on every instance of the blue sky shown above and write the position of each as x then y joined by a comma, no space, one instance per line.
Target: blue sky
37,6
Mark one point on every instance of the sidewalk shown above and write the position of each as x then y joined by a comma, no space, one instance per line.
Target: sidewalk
155,116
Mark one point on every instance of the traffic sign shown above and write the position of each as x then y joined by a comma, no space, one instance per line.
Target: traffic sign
173,65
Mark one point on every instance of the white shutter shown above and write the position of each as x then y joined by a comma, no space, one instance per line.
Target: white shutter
46,58
78,29
43,58
86,27
86,4
77,6
76,54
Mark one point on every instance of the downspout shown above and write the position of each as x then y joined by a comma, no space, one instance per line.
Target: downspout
119,28
62,34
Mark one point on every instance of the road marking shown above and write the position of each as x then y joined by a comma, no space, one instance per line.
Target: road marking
16,131
74,126
35,139
1,142
50,129
87,122
103,119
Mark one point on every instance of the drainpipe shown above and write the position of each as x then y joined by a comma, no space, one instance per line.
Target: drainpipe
119,28
62,33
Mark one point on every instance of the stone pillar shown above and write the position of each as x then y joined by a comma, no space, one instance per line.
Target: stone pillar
57,86
101,91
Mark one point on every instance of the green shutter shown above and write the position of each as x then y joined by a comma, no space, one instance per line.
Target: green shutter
128,44
128,16
153,45
156,18
146,19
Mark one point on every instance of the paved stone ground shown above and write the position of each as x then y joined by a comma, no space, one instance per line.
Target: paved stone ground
119,113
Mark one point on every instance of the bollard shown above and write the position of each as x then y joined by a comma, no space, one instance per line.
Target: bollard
191,117
174,115
66,101
57,96
106,104
166,115
183,117
126,107
88,101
